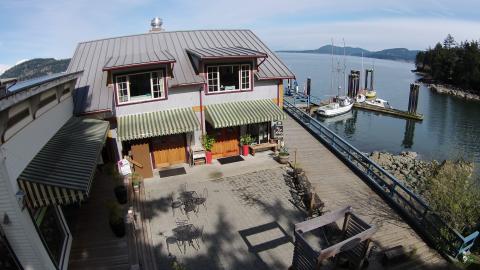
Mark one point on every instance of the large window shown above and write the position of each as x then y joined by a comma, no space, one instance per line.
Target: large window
140,86
53,232
223,78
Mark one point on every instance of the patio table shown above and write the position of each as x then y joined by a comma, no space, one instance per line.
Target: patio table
185,234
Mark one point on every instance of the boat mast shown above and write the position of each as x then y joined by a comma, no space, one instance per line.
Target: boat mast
331,71
361,72
344,68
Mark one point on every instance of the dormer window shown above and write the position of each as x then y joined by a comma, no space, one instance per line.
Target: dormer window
142,86
232,77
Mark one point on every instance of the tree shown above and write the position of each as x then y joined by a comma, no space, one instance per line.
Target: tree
454,195
449,42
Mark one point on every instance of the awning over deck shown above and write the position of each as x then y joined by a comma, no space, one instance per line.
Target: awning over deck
62,172
242,113
152,124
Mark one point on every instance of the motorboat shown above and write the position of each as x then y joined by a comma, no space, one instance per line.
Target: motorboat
339,118
360,98
379,103
338,106
370,94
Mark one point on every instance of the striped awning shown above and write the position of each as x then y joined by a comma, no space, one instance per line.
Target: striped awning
242,113
62,172
152,124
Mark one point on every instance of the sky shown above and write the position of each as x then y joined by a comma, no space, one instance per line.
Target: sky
52,28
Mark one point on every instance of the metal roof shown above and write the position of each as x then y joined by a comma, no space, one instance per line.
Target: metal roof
93,95
139,59
24,89
68,160
225,52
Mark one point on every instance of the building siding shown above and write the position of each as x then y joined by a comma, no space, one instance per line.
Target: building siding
17,153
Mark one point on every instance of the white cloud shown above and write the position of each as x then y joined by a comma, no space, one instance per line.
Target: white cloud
3,67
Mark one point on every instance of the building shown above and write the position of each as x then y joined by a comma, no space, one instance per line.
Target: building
161,91
48,159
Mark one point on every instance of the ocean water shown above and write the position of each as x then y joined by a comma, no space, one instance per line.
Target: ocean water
450,129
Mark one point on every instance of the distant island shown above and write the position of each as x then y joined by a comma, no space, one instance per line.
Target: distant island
35,68
401,54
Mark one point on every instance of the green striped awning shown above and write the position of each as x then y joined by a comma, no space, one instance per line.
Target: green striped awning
62,172
152,124
242,113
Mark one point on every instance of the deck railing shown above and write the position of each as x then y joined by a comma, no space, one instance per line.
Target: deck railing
428,223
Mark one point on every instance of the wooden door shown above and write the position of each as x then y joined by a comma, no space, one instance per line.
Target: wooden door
141,154
226,142
169,150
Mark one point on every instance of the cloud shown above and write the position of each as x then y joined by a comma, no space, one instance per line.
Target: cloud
3,68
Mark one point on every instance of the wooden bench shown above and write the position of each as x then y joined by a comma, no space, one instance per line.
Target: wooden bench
261,147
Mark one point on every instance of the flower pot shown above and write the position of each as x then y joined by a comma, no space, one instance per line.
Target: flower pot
283,159
121,194
118,227
245,150
208,157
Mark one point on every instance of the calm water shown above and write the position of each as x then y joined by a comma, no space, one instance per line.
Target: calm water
450,129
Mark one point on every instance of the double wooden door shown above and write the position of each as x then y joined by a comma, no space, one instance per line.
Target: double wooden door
169,150
226,142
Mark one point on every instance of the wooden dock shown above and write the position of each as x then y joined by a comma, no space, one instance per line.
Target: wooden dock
338,186
394,112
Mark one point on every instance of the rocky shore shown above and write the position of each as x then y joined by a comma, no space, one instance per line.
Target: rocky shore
413,172
445,90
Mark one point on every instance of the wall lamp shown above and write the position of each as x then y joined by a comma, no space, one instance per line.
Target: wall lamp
20,195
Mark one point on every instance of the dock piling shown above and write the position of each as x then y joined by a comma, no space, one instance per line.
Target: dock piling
413,98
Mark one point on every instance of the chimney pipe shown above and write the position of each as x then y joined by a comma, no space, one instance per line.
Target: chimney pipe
156,24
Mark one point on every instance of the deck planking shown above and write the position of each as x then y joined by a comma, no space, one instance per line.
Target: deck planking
338,186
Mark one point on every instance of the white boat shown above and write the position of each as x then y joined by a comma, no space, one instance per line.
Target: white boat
360,98
379,103
340,105
339,118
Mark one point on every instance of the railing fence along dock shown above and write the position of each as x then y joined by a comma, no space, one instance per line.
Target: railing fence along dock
446,239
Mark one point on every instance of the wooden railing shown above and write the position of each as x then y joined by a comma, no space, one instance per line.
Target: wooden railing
422,217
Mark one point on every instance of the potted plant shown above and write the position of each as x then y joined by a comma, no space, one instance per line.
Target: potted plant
207,142
136,181
115,218
283,155
120,189
245,141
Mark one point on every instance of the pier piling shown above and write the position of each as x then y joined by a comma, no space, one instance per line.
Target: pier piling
413,98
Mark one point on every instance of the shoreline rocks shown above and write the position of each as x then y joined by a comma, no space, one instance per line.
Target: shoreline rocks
413,172
446,90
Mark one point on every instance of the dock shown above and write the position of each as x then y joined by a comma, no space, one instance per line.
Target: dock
338,186
389,111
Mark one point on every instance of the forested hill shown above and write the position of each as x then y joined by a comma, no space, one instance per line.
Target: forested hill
35,68
452,63
391,54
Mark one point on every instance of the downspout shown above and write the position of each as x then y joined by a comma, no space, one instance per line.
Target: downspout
201,108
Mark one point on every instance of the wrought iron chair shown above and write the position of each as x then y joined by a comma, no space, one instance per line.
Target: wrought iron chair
197,234
175,204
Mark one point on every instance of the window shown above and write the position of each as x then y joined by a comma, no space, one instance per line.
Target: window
245,76
228,78
140,86
53,232
122,89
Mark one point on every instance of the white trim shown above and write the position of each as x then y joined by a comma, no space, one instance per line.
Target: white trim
161,72
239,77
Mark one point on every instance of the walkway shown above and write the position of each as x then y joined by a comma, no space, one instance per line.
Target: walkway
94,244
338,186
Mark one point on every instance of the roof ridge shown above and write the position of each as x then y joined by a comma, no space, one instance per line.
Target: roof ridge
160,32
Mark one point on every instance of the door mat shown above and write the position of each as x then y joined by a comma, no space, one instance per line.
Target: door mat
230,159
172,172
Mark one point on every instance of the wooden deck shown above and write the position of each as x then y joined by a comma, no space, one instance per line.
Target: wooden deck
338,186
94,245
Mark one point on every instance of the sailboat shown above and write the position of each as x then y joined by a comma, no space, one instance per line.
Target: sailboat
339,104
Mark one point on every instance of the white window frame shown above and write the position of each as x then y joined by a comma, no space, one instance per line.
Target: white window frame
240,77
160,74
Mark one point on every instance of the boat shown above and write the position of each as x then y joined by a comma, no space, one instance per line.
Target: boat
340,105
360,98
379,103
339,118
369,94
